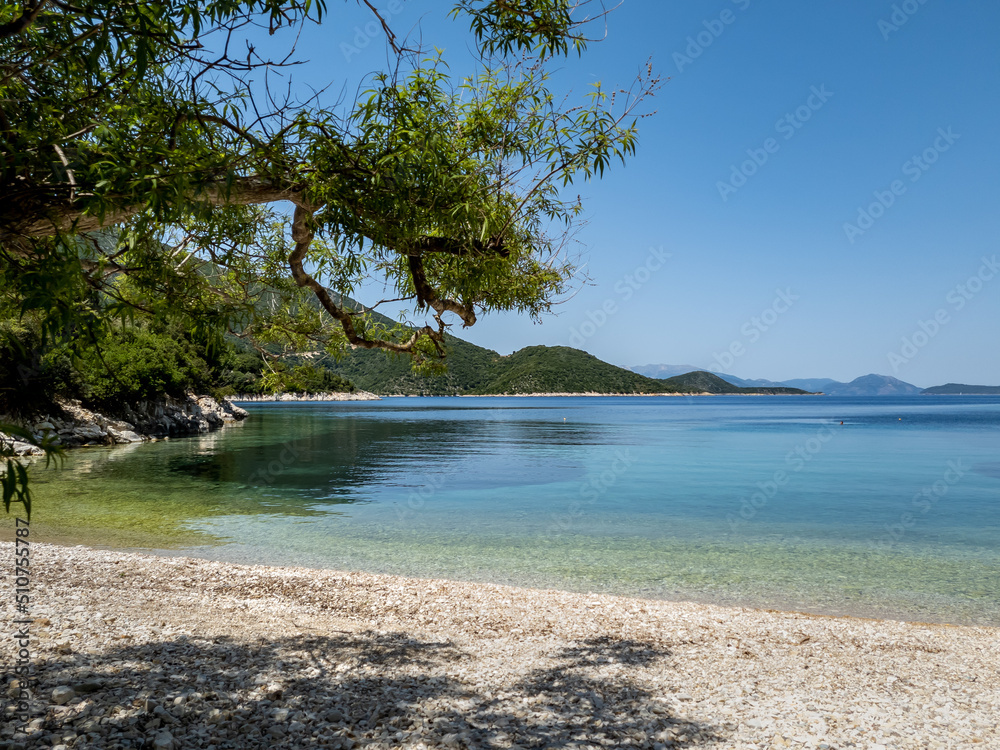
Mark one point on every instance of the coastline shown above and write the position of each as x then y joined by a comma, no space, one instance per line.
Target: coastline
74,426
589,394
283,397
192,653
609,395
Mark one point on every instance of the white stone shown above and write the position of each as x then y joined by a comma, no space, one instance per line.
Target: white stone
123,436
63,694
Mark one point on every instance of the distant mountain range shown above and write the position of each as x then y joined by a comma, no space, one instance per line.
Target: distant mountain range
813,385
866,385
474,370
707,382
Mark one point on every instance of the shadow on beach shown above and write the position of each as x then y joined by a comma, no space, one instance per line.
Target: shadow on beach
355,690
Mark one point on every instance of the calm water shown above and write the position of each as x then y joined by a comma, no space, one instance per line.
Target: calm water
767,501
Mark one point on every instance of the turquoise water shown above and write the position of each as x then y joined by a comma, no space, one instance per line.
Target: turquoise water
765,501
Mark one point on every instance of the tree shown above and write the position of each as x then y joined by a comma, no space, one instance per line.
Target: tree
140,173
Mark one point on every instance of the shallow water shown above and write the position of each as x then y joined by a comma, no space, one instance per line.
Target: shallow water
764,501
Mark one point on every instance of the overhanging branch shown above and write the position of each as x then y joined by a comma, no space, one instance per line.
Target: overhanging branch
302,236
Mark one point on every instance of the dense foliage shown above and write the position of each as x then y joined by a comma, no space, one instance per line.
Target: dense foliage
144,176
139,362
135,115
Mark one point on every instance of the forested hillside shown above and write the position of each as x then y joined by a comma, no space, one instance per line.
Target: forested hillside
138,362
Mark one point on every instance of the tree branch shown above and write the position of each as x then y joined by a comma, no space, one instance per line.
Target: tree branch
73,219
427,295
302,235
446,245
19,25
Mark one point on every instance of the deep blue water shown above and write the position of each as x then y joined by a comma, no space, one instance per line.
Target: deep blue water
766,501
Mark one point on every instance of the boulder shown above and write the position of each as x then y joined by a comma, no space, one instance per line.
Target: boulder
63,694
123,436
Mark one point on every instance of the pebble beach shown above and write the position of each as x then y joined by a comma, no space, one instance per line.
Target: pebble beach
141,651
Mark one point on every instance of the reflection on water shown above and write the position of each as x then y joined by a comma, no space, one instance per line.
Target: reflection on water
769,501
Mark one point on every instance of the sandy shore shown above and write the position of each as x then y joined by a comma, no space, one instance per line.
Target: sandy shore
141,651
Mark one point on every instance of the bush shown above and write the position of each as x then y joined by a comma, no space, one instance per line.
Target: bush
140,365
31,373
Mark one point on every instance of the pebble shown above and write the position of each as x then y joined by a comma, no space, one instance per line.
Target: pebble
198,654
63,694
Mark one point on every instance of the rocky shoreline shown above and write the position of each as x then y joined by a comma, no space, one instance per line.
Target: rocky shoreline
332,396
74,426
136,651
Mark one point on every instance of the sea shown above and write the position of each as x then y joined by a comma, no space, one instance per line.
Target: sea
871,507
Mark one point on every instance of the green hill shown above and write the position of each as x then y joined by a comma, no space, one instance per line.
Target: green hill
473,370
958,389
560,369
386,374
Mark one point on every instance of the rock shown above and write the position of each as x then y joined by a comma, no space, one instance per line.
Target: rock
124,436
20,448
170,416
63,695
273,692
86,688
90,432
165,716
163,741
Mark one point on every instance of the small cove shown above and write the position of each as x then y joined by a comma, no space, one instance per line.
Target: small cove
765,501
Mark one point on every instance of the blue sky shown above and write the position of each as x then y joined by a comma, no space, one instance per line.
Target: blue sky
815,197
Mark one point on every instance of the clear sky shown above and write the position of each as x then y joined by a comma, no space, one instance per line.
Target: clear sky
817,195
